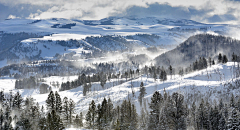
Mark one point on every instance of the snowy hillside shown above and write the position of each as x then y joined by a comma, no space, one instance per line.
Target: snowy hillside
27,39
211,83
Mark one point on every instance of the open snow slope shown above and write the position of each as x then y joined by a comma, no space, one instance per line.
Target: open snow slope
210,82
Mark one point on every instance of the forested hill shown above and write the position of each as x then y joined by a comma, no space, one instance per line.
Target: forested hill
201,45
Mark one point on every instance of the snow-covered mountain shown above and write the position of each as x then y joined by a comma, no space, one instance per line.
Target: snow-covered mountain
27,39
201,45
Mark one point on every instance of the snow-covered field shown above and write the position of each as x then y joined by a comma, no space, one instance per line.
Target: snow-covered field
202,82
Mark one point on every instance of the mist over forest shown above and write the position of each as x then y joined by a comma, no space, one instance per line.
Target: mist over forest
121,71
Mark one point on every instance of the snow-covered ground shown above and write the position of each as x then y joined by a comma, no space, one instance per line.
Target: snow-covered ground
202,82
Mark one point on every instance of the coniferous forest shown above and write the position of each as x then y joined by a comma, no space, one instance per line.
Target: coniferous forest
164,111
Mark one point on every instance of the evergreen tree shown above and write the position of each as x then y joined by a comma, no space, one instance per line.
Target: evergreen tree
220,58
222,123
71,110
110,113
66,110
85,89
133,118
233,121
81,120
51,102
154,116
224,59
214,117
213,62
77,121
91,115
54,121
142,93
171,70
193,115
17,101
179,111
202,116
58,103
42,124
2,98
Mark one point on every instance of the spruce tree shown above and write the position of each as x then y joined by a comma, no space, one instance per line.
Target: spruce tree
66,110
233,120
17,101
154,116
224,59
178,110
110,113
142,93
202,116
51,102
58,103
222,123
220,58
54,121
214,117
71,110
91,115
2,98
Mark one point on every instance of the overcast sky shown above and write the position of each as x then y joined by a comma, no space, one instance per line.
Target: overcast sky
214,11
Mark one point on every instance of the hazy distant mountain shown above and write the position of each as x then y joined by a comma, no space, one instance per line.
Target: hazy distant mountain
202,45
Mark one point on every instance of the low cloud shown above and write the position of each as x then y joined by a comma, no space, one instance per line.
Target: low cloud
215,11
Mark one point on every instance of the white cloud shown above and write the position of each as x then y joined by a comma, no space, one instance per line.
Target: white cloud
97,9
12,17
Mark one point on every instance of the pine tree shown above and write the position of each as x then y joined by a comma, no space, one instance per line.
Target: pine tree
51,102
91,115
214,117
81,120
142,93
220,58
24,123
66,110
110,113
221,105
143,119
202,116
224,59
232,101
133,118
54,121
77,121
210,61
193,115
17,101
58,103
171,70
213,62
42,124
71,110
233,121
222,123
124,116
2,98
154,116
99,117
85,89
179,111
103,114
